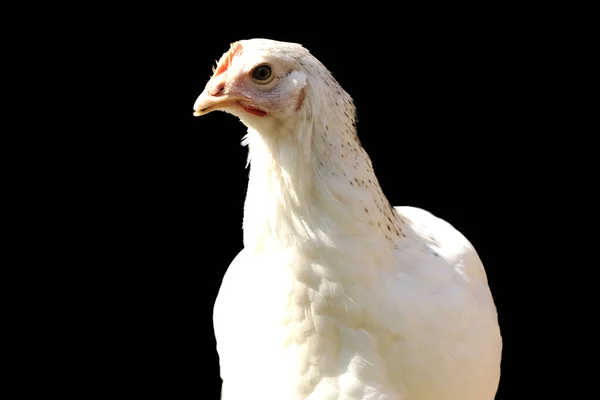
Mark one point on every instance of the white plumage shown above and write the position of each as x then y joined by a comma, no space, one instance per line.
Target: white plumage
336,294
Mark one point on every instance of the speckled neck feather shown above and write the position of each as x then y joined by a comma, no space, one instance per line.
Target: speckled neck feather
311,182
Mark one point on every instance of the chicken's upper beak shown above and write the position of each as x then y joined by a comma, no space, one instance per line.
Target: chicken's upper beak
215,97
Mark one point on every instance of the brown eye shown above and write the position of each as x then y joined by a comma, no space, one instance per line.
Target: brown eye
262,73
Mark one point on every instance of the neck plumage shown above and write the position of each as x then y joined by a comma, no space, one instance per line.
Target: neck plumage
312,186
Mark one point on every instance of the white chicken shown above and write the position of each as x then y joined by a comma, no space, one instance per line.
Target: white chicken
337,294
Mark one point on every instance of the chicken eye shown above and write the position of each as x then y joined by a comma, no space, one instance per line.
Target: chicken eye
262,73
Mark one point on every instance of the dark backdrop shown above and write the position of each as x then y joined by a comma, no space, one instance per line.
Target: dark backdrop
163,191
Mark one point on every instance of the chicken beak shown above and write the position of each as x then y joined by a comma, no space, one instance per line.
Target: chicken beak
214,98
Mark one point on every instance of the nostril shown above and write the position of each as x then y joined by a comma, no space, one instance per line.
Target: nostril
217,89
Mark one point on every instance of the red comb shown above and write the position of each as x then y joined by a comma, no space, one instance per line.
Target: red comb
225,60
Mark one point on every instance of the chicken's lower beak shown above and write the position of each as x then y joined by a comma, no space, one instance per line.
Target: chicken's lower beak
206,102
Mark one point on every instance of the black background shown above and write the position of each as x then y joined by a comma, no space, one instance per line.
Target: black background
159,193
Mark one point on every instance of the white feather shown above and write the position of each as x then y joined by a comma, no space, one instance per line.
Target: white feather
338,295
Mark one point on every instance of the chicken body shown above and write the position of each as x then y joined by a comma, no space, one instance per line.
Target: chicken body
337,294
